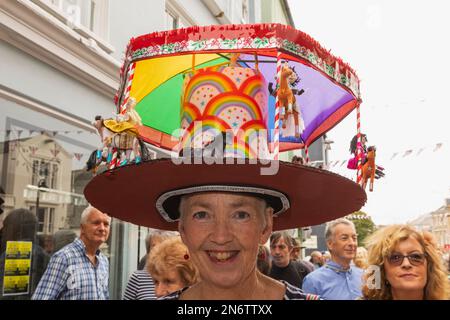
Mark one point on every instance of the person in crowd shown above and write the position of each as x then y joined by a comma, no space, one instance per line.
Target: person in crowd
361,258
283,268
296,250
326,256
171,268
79,271
408,266
46,242
22,225
154,237
264,262
141,286
316,259
61,238
338,279
298,160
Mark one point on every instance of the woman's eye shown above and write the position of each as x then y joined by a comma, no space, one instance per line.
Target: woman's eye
242,215
200,215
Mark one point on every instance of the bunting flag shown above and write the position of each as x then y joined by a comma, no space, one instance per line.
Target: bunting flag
12,146
358,217
55,152
407,153
31,132
438,146
33,150
78,156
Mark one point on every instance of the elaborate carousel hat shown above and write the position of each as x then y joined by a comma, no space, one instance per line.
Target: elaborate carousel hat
223,144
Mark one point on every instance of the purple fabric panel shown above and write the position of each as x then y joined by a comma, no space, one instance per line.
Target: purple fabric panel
322,97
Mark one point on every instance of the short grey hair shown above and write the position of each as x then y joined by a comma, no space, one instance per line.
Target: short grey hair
316,254
329,233
158,233
86,212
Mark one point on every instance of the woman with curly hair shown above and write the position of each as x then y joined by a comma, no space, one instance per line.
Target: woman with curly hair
409,264
170,266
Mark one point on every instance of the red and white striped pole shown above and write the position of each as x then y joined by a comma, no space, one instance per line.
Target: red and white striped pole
114,160
306,154
358,143
276,136
130,73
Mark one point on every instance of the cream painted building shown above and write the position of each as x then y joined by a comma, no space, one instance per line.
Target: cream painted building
441,225
40,161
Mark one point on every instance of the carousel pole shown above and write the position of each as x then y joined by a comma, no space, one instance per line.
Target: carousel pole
114,156
130,73
276,136
358,143
306,154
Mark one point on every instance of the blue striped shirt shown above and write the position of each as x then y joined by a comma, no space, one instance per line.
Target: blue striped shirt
70,275
140,287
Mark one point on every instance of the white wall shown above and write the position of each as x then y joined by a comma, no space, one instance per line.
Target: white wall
133,18
34,78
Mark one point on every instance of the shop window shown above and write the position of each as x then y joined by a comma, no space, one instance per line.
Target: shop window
90,14
45,216
176,17
44,174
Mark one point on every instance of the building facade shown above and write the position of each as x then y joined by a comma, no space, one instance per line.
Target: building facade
441,225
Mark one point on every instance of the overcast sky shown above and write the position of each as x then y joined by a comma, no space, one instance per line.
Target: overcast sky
400,50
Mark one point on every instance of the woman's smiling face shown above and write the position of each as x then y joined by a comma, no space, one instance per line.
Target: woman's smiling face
222,232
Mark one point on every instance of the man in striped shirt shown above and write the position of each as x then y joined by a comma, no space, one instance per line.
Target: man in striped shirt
79,271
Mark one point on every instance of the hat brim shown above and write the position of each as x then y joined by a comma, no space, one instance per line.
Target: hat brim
130,193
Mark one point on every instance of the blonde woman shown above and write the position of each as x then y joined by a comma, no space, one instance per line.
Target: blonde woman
170,266
409,263
361,258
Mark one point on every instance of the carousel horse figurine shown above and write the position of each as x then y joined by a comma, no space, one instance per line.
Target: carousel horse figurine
353,162
368,169
119,139
286,96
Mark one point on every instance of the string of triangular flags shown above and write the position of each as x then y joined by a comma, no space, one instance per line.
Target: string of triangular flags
14,136
19,132
403,154
358,217
14,145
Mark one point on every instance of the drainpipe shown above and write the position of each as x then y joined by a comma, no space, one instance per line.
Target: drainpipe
287,10
216,11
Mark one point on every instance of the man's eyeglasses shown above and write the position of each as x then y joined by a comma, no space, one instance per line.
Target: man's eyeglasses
416,259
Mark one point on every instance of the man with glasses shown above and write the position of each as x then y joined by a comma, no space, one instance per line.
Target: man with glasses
338,279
